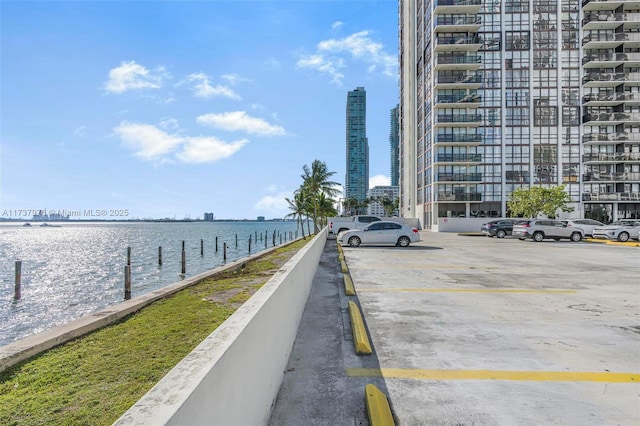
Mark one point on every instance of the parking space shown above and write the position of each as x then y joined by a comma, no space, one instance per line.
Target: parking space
485,331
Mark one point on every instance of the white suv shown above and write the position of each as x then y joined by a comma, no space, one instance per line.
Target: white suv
621,230
540,229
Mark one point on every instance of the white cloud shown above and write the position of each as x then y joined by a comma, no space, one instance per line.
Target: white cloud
325,65
147,140
361,47
337,25
379,180
235,79
358,47
151,143
168,124
201,88
132,76
80,132
273,203
208,149
240,121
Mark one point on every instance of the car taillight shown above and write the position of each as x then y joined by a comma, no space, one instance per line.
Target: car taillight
525,225
415,230
331,226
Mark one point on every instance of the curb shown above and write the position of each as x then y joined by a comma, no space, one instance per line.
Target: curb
349,288
360,336
378,407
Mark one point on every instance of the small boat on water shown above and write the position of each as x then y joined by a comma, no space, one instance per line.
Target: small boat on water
49,225
27,224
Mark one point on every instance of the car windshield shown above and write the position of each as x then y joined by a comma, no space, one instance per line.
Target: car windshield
623,222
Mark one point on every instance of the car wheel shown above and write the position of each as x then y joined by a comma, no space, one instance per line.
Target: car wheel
538,237
575,237
501,234
354,241
404,241
623,237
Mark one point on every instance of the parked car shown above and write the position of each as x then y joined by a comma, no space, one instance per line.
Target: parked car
540,229
380,233
620,230
587,225
498,228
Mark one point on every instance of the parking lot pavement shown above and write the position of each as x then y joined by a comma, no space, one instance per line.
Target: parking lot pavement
472,331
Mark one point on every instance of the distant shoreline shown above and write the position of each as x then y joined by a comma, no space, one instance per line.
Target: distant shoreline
140,220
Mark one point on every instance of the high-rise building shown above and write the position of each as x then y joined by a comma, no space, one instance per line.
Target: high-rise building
394,145
356,183
378,196
490,101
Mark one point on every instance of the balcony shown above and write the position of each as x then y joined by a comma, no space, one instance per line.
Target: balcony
609,98
604,60
610,118
610,79
611,177
611,196
617,157
457,43
458,23
451,7
458,62
453,101
458,119
458,196
589,5
459,177
610,138
458,158
468,139
458,81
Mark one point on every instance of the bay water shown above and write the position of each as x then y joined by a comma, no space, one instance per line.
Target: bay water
76,269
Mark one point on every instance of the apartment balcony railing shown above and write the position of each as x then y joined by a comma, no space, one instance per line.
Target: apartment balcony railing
604,37
610,137
458,3
610,17
458,196
460,138
459,79
458,59
456,40
611,196
626,117
458,118
459,20
613,157
611,97
611,177
458,158
605,57
620,76
449,99
459,177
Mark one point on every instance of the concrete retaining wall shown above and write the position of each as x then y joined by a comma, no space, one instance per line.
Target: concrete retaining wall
233,376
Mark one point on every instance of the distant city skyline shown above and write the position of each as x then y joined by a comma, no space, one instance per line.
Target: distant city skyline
185,114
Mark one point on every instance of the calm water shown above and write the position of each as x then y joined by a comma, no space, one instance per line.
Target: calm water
77,269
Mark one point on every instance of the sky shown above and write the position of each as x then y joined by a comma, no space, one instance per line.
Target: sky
170,109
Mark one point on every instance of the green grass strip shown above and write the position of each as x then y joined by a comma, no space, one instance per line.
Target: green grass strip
94,379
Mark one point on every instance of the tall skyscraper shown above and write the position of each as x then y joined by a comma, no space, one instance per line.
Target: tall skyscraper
356,183
394,145
491,94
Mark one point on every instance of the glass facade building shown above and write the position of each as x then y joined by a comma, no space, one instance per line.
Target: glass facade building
394,145
357,146
500,95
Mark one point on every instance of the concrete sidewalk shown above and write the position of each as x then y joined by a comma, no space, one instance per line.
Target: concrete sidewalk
316,389
472,330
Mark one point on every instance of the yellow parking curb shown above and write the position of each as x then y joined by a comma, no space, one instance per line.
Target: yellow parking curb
343,264
349,289
378,407
340,248
340,256
360,337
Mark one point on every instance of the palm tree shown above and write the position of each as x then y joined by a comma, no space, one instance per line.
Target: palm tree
297,208
316,181
326,208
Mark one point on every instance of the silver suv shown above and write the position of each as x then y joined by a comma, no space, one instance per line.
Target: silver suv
540,229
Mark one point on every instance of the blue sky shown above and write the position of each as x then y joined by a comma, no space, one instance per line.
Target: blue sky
176,108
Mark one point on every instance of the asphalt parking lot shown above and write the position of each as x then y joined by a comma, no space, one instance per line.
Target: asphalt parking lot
474,331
